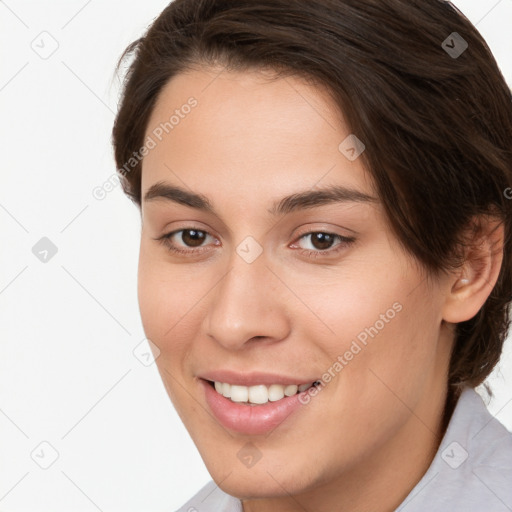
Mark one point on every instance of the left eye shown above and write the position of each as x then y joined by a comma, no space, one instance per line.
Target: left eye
320,241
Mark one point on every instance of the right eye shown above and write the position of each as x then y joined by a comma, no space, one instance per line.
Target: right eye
190,237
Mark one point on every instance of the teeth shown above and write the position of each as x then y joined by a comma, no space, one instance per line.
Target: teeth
291,389
259,394
239,393
226,390
275,392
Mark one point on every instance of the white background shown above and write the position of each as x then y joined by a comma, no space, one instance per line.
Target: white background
68,375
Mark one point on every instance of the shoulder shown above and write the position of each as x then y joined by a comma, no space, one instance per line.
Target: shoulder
472,469
211,498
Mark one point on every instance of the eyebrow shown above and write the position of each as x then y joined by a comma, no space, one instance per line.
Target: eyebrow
298,201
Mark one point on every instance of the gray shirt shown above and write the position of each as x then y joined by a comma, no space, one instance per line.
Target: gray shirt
471,471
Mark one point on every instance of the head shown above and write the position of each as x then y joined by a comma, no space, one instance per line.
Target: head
323,195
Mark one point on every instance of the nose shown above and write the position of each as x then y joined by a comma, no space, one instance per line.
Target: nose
248,304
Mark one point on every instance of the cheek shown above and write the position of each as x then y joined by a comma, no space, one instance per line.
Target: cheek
380,330
152,296
172,304
351,305
162,296
167,312
395,358
158,286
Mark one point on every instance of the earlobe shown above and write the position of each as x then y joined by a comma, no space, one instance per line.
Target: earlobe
472,284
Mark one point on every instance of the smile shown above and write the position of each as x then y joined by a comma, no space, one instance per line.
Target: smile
255,409
259,394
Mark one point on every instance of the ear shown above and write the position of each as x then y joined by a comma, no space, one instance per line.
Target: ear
472,283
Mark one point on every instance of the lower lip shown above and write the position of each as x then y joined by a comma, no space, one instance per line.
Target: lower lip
247,419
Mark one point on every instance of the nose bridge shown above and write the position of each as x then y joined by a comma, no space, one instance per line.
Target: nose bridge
246,303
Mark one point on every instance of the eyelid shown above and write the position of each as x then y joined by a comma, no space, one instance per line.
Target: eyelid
324,229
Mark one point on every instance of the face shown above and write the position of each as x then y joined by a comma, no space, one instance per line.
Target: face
243,287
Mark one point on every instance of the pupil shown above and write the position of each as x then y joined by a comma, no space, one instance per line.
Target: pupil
195,239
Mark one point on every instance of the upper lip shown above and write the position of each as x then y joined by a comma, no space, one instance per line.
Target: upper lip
252,378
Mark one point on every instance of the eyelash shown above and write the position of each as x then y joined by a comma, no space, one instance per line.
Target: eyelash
344,242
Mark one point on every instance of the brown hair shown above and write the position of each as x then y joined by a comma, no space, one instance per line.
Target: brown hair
437,126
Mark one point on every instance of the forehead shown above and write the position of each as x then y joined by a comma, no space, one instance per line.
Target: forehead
248,128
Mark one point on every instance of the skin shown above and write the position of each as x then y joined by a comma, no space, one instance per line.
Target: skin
368,437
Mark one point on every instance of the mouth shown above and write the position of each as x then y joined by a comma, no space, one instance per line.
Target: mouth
257,409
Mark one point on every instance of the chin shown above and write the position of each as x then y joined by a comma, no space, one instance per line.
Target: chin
251,486
265,479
